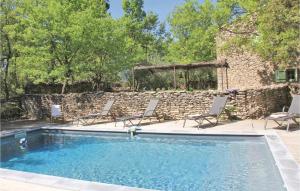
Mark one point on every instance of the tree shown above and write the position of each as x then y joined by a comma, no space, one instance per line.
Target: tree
194,29
140,27
271,28
10,28
278,28
56,37
106,52
6,45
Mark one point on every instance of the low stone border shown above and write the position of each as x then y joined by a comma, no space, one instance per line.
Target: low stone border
63,183
288,167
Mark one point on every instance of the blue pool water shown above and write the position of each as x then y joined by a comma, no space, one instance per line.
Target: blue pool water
163,162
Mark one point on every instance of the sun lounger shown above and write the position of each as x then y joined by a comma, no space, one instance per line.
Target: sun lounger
288,117
106,111
215,111
148,113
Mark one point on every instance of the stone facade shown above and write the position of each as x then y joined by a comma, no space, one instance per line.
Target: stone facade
246,69
251,103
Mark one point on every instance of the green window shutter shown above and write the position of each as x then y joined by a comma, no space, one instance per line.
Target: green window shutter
280,76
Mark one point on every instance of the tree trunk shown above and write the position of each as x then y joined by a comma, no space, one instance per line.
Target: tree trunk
68,75
6,90
64,86
8,57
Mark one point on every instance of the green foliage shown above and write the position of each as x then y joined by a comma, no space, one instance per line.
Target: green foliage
194,29
269,28
54,41
147,35
65,41
10,28
278,26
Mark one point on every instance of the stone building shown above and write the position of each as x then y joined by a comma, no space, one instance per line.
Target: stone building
247,69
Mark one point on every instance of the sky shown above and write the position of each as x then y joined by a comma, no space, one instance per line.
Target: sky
162,8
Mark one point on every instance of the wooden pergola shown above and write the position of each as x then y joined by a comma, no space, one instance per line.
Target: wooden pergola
186,67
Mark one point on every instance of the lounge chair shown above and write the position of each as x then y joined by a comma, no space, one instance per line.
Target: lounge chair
148,113
106,111
215,111
291,115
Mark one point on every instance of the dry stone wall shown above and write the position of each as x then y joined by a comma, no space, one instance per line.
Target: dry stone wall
251,103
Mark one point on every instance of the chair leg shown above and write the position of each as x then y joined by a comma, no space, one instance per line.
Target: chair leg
93,121
288,126
198,126
157,117
138,124
184,122
279,124
266,123
217,121
200,122
214,124
297,123
78,120
124,124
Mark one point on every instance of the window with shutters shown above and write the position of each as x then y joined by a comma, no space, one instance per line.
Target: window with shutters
291,75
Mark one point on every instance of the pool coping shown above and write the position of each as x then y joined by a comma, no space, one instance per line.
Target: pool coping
288,168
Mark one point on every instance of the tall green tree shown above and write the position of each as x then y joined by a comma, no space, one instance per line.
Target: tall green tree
106,52
56,37
140,27
10,38
279,34
194,30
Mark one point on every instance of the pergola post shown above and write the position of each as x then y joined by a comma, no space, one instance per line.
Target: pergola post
187,79
226,78
133,83
174,77
222,77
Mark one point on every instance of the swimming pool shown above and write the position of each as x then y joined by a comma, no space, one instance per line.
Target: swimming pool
163,162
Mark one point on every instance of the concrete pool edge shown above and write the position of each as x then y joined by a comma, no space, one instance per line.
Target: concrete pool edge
62,182
288,168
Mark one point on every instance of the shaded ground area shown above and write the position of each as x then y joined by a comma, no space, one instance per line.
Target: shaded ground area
22,124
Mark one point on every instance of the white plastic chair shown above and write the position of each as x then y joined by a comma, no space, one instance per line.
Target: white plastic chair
56,112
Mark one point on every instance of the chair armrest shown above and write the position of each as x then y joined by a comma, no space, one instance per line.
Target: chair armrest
285,108
149,111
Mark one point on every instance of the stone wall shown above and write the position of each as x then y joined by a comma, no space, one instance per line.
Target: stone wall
251,103
246,68
245,71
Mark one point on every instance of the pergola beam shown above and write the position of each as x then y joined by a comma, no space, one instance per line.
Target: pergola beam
174,77
209,64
